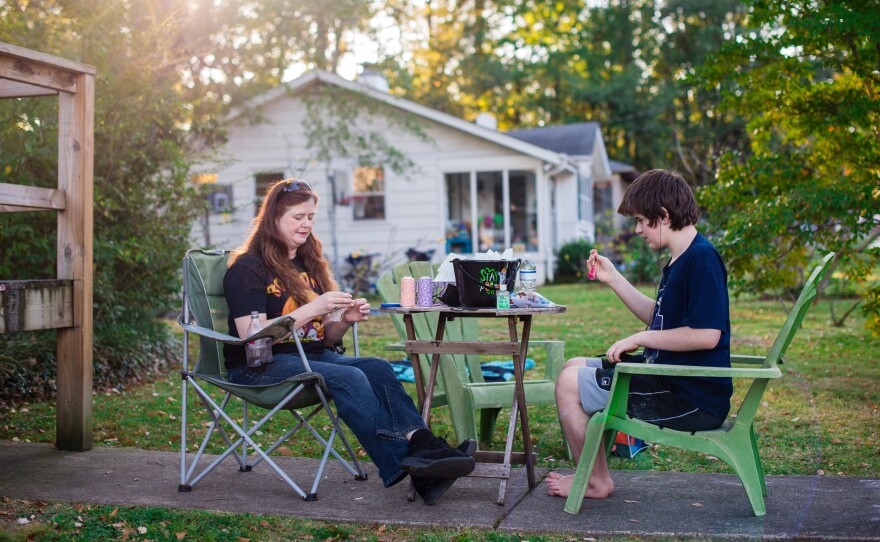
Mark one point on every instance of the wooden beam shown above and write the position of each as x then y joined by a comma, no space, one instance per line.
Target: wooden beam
36,198
7,49
34,73
29,305
73,423
14,89
462,347
14,209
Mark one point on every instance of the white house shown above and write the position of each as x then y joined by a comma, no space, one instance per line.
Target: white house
473,188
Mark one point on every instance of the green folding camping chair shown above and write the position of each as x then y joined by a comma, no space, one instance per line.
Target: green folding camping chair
204,312
734,442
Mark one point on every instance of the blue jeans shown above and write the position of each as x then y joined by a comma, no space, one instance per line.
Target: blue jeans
368,397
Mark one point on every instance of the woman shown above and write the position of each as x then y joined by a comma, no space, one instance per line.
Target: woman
280,270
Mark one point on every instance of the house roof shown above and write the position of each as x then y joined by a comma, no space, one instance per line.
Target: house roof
578,139
620,167
316,77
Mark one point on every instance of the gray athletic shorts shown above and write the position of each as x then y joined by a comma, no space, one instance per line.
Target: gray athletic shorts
651,399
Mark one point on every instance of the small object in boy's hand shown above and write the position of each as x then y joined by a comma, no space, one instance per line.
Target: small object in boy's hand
592,274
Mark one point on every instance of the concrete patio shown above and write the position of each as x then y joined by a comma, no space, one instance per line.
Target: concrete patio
645,504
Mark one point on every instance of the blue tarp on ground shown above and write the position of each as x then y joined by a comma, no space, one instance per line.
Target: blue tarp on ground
493,371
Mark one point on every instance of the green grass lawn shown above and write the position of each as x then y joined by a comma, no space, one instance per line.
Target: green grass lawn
821,417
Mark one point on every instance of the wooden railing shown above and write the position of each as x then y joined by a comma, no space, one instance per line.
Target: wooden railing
64,303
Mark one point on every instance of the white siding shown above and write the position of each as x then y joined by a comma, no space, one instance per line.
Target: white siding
415,202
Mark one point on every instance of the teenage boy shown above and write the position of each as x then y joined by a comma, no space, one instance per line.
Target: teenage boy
687,324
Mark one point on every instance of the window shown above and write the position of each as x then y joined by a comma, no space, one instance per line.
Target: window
523,211
584,198
368,194
490,211
218,197
505,214
262,182
603,199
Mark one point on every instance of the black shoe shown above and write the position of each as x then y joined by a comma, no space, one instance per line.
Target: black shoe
434,458
431,489
468,446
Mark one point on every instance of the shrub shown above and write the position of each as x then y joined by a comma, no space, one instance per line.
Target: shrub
123,354
143,202
571,262
640,263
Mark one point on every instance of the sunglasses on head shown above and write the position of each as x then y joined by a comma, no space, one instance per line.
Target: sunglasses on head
296,184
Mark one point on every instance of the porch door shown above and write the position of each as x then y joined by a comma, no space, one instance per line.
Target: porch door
491,210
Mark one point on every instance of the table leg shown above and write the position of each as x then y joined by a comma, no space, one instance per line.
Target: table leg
414,359
417,374
519,366
508,452
425,397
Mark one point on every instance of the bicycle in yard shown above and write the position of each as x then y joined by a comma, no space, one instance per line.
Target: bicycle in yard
364,268
361,275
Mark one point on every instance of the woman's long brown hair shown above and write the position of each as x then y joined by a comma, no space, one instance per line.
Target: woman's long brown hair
266,243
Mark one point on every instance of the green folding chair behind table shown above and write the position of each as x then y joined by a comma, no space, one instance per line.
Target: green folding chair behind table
204,312
473,403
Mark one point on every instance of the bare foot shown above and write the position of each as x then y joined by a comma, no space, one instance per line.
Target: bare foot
560,486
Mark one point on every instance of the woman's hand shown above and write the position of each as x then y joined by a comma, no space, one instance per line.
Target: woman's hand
358,312
331,301
605,269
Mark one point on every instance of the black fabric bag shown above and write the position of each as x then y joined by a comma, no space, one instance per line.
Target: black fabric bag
477,280
449,295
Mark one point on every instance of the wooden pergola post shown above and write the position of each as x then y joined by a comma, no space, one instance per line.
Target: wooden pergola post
66,303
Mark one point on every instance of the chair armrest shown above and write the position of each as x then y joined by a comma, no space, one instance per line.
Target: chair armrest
690,370
395,347
277,329
209,333
746,359
555,357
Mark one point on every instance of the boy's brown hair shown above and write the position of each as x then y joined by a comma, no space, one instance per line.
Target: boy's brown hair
656,190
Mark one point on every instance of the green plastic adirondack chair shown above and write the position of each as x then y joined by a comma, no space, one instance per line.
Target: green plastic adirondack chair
460,385
734,442
204,313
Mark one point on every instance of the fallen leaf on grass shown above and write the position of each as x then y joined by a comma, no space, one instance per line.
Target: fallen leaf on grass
114,512
180,536
142,530
264,523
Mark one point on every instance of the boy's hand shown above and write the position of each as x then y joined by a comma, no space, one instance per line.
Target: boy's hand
601,268
622,346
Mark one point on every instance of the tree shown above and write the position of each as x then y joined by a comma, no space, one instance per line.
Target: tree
335,129
806,78
143,204
622,63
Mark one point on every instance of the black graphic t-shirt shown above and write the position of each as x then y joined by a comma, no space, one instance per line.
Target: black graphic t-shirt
693,293
250,286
